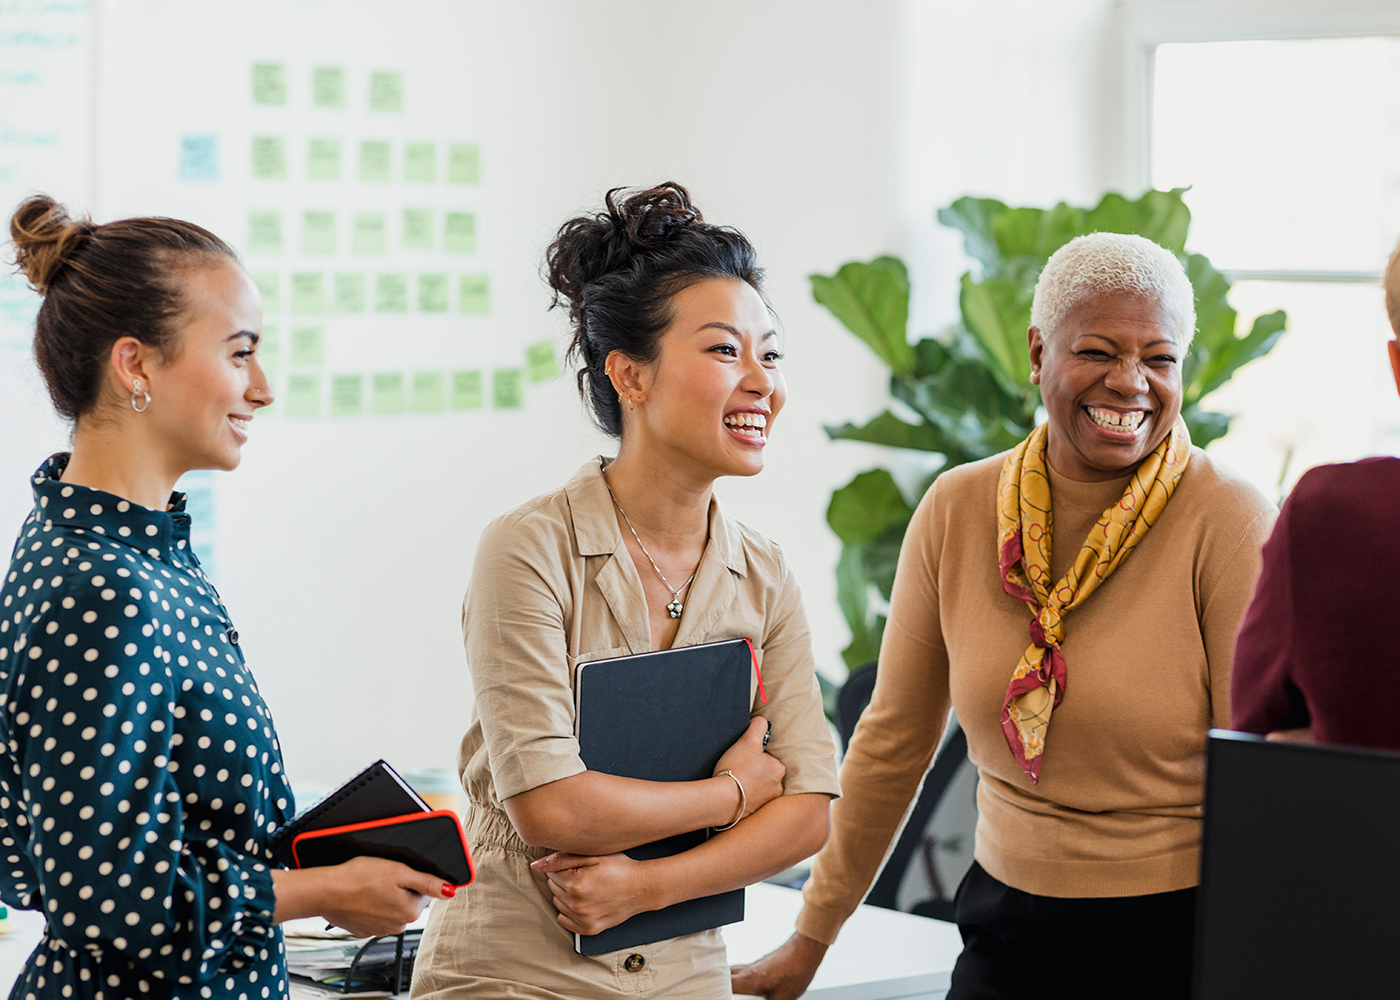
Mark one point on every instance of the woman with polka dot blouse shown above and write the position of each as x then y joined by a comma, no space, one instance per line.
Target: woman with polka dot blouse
140,774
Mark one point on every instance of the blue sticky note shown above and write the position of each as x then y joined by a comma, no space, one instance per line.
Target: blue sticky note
199,158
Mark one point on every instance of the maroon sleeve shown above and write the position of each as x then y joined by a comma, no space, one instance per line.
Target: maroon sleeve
1263,695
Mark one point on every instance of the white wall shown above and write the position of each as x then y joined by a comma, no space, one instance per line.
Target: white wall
828,131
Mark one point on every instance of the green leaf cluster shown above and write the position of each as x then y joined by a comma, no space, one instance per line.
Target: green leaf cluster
966,395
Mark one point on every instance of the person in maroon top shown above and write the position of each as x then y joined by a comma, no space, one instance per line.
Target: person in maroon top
1316,655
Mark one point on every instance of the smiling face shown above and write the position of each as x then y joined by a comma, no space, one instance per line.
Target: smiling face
204,393
1110,377
711,397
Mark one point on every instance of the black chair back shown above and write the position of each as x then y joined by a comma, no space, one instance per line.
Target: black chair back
934,849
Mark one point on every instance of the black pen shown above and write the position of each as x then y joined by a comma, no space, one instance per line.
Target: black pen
767,733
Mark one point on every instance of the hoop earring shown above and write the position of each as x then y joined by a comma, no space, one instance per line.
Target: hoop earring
135,388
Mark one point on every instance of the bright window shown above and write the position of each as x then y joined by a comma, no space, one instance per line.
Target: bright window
1291,151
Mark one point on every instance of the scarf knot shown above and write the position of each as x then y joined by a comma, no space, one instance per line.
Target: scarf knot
1047,628
1024,532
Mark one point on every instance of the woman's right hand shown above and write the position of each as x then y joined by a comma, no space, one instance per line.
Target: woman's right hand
783,974
369,897
758,771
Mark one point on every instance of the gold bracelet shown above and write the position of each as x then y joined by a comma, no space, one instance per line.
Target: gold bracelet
743,802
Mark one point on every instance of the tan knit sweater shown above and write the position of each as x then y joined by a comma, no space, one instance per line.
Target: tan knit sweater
1117,811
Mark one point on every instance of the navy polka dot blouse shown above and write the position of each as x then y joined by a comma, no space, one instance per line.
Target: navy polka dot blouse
140,774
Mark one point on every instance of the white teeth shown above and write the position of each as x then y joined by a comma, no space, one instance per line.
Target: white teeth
756,421
1114,420
238,422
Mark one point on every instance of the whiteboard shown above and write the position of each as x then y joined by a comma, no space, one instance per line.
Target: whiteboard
343,543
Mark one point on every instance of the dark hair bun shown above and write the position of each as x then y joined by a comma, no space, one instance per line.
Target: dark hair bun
46,238
590,246
618,269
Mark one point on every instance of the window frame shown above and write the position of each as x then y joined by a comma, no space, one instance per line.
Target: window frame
1146,24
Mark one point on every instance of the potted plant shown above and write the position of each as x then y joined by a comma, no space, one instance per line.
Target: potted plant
966,395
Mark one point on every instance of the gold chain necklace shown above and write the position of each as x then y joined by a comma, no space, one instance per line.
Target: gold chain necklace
675,609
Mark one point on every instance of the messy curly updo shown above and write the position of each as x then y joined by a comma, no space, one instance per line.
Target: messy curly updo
618,270
102,283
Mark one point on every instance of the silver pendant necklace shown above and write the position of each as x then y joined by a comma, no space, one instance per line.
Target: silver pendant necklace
675,609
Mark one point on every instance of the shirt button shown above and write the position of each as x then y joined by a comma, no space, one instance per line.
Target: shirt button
634,963
233,636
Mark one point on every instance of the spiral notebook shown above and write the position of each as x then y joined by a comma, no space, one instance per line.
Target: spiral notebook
377,792
664,716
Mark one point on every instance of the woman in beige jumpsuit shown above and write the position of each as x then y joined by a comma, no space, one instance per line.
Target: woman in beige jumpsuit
679,360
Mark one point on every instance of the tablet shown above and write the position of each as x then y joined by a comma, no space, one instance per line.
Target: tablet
431,842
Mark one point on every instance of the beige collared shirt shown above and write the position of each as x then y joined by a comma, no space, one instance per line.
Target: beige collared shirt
553,586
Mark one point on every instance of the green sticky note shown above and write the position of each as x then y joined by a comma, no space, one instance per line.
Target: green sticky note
270,287
418,228
323,159
507,388
432,293
391,293
307,345
419,161
389,397
386,92
269,83
348,294
428,392
541,360
318,232
304,396
308,293
269,348
264,231
269,156
347,395
459,232
328,87
371,233
466,390
464,163
374,160
474,294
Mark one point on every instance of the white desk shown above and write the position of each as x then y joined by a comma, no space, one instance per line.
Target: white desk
880,955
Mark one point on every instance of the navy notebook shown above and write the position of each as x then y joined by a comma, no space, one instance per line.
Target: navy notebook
664,716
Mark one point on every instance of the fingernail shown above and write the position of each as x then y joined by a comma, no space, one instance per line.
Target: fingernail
449,890
537,864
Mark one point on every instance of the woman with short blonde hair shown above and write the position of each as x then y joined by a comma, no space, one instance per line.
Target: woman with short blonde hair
1075,602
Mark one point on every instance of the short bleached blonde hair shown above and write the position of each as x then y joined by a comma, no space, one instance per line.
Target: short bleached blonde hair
1107,263
1392,291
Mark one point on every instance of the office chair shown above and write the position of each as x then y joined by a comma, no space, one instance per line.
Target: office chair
934,849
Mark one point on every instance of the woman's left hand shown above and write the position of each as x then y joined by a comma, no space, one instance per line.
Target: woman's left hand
595,893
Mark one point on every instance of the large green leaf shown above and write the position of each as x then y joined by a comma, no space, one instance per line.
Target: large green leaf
880,557
853,595
872,300
889,430
998,314
975,218
1161,216
866,507
1204,425
1037,233
1222,365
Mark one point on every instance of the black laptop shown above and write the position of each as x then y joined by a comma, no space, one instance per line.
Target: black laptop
1300,872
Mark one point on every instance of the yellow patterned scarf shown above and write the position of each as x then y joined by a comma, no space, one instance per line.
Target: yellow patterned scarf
1024,521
